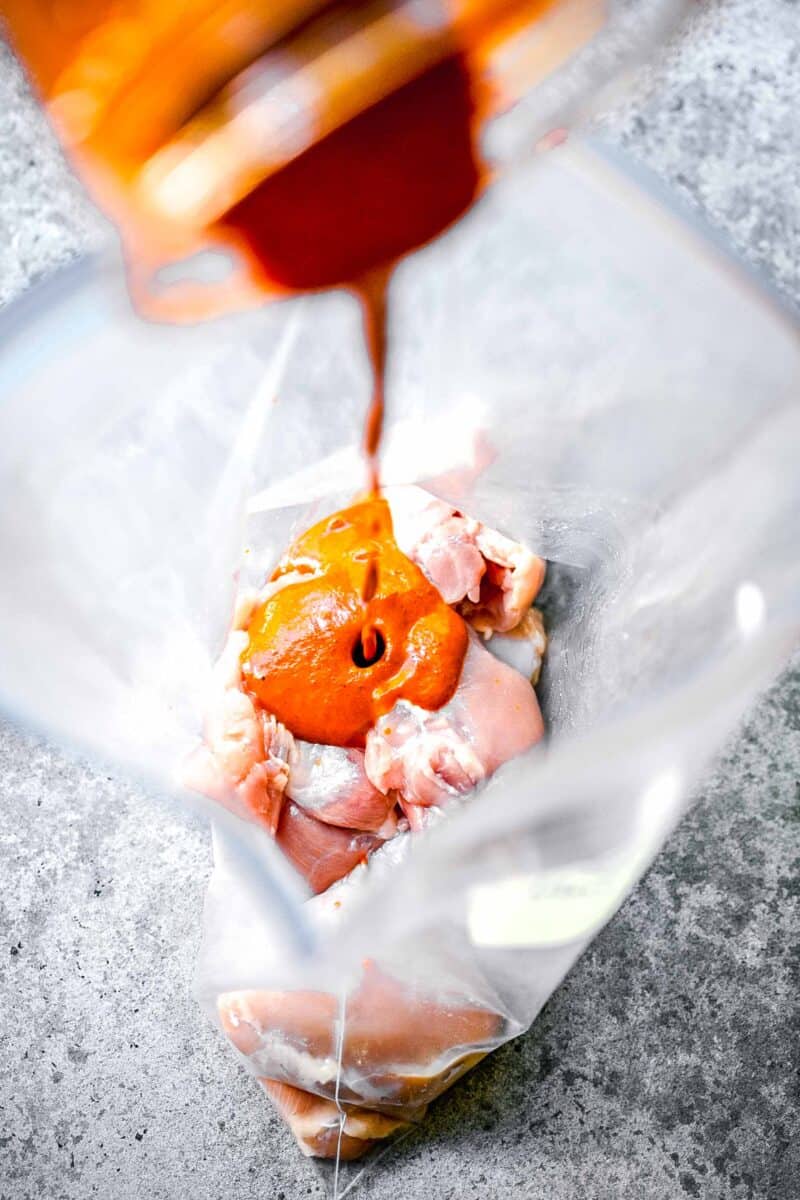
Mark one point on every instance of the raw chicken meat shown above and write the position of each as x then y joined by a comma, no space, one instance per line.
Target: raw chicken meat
402,1043
244,762
324,853
322,1129
305,1022
491,578
249,761
429,757
331,806
523,646
330,783
399,1063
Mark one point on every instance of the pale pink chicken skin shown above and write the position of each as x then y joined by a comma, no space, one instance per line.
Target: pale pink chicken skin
244,761
430,757
323,1130
400,1043
307,1021
411,1057
490,578
325,853
523,647
330,783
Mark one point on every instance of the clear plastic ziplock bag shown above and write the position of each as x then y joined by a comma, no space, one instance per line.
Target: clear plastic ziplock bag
573,365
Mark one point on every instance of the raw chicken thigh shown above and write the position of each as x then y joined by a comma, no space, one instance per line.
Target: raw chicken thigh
330,806
428,757
244,761
319,1127
492,579
386,1066
331,783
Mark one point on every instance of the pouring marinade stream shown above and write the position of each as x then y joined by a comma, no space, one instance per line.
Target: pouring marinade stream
341,214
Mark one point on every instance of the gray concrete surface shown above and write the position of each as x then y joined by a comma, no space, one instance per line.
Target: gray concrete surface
665,1066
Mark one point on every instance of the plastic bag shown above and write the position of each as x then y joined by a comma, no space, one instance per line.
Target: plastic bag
572,365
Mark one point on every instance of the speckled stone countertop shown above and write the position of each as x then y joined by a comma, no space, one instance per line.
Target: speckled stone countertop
665,1066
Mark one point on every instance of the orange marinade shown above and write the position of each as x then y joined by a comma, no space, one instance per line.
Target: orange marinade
358,628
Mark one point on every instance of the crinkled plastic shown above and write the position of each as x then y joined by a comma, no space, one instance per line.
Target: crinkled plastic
574,365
